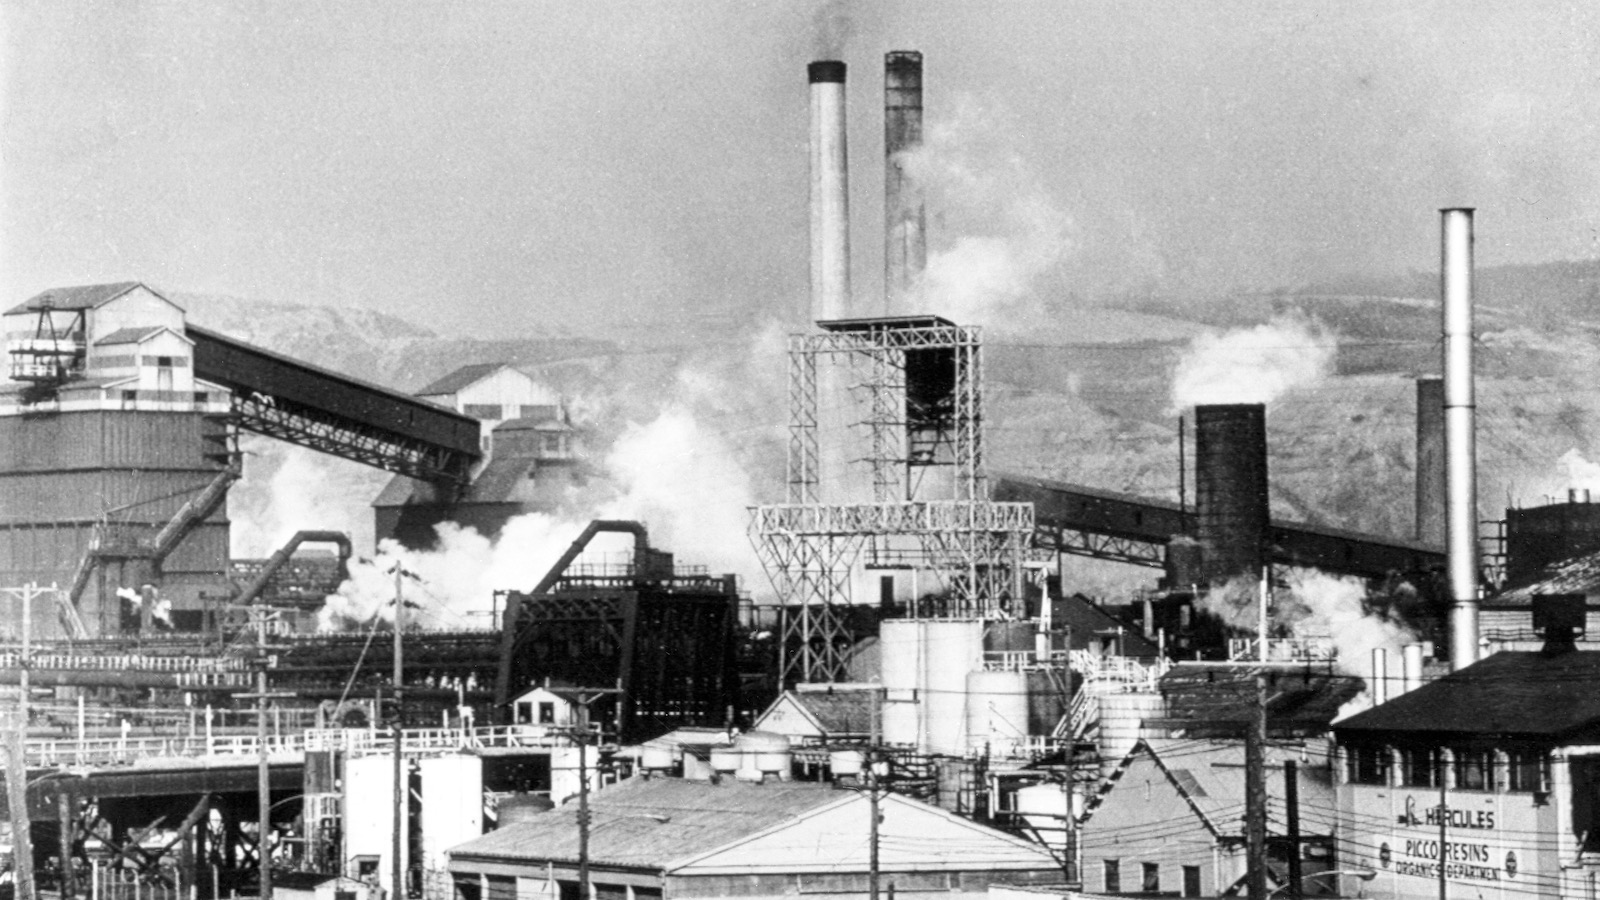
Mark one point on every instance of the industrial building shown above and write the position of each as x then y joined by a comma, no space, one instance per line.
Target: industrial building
670,837
1489,772
532,457
1169,822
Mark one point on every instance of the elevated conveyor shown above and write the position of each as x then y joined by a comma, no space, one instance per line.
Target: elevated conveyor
303,404
1071,518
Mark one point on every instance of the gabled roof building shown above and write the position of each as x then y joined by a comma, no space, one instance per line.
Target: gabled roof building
669,837
1171,820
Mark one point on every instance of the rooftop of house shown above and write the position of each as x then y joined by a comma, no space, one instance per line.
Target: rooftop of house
652,823
1533,695
86,296
460,378
1204,698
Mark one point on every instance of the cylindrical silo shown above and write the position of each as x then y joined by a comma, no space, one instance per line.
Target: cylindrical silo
997,709
1122,725
951,650
900,649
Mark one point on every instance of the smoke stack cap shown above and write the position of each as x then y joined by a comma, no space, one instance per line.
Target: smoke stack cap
825,71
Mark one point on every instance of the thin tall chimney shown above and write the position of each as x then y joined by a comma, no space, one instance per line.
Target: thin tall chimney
1461,516
1430,462
905,252
830,193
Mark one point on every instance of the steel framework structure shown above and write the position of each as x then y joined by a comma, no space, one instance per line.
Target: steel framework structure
943,525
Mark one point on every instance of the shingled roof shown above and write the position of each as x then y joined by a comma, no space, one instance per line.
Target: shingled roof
1522,694
1218,699
86,296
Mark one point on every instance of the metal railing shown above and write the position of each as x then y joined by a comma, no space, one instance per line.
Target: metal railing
117,751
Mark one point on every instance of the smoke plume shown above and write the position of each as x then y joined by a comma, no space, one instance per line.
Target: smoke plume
1311,604
1254,365
682,466
1010,234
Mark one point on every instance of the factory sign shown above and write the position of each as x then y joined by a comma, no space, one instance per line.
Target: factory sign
1486,843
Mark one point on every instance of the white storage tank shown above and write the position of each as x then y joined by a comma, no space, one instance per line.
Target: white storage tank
997,709
846,763
725,760
656,757
452,805
930,660
1122,718
768,752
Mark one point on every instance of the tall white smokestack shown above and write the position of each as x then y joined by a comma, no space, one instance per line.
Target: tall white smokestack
905,251
830,193
1461,502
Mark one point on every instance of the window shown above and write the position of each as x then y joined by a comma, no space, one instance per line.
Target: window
547,713
164,361
1191,881
1473,770
483,410
1368,765
1525,771
1112,870
1152,878
1419,768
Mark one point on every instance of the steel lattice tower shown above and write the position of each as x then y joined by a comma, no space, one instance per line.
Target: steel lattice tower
918,381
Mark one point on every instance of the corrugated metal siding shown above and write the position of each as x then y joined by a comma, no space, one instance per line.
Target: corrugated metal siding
97,439
87,495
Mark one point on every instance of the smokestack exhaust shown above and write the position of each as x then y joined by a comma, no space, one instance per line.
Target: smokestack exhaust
830,193
905,252
1461,503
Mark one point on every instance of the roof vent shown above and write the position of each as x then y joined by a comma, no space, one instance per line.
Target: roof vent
1560,618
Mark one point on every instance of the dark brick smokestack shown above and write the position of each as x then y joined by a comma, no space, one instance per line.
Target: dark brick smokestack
1430,462
1230,460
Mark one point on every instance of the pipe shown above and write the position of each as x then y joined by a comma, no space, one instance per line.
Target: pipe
830,193
510,630
1461,505
905,251
1378,686
278,559
1411,668
1430,472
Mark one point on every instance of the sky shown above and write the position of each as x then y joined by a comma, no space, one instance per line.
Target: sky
522,168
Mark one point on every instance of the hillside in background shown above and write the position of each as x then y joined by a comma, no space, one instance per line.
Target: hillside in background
1088,399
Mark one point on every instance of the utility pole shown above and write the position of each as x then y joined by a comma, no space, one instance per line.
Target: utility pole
1255,794
1291,799
1444,827
872,794
17,757
262,614
398,869
582,697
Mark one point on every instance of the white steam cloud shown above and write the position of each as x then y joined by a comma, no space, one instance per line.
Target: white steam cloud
1010,233
687,482
1254,365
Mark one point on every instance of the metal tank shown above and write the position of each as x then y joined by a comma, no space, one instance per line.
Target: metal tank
1122,725
997,710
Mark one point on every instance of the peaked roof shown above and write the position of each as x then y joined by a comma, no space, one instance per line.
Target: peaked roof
672,825
1210,777
134,335
832,712
1579,575
87,296
460,378
1084,620
1202,698
1525,694
653,823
